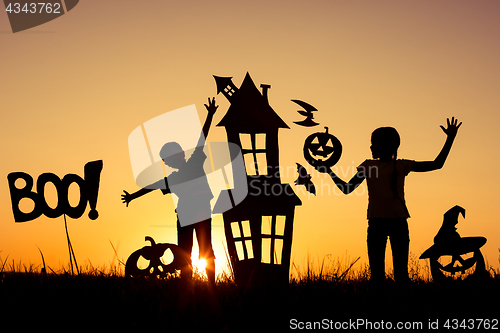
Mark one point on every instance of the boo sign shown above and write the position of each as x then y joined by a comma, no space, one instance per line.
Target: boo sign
89,188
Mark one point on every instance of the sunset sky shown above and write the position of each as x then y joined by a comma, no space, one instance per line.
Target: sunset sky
73,89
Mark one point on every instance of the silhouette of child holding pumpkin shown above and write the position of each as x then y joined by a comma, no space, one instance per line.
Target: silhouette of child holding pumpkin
191,186
387,212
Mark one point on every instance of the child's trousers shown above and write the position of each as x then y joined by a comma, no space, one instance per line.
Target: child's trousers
397,231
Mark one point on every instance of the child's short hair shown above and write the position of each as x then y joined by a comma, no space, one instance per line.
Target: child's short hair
170,149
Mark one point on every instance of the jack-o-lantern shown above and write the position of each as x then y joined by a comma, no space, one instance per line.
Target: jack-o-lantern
322,149
465,253
153,254
473,265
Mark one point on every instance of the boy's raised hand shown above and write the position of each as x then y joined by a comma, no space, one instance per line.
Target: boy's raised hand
126,198
211,107
452,127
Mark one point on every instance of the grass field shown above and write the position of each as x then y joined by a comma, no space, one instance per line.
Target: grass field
101,300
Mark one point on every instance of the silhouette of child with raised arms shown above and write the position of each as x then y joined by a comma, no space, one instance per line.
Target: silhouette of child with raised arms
190,184
387,212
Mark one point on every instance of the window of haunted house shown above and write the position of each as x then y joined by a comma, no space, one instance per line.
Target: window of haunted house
253,147
272,237
229,90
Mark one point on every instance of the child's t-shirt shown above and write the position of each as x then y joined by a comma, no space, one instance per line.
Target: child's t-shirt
191,186
382,201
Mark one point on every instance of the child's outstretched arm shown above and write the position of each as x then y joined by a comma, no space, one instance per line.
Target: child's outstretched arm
348,187
127,197
451,132
211,108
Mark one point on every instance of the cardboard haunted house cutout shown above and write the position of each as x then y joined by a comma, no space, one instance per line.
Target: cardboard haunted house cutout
259,229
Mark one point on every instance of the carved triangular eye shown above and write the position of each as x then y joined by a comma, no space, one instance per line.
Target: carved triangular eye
315,141
329,143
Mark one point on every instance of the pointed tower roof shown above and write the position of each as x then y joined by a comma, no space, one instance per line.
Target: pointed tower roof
222,82
250,111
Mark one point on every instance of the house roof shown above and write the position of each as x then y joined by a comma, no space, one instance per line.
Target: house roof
250,112
222,82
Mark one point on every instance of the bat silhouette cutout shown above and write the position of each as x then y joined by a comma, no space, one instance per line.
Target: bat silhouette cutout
308,113
305,179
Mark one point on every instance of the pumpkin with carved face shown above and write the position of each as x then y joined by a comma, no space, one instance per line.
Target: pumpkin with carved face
458,264
322,149
153,254
452,254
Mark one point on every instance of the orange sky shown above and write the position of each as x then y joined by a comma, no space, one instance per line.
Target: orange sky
73,89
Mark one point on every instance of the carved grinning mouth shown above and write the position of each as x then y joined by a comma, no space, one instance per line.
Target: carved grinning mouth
320,152
458,263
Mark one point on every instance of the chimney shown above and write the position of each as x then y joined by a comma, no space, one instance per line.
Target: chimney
265,88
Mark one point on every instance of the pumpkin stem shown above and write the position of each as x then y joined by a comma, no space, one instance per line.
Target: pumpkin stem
148,238
326,128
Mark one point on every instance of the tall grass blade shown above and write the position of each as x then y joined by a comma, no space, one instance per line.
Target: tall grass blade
343,275
116,254
70,248
4,263
44,269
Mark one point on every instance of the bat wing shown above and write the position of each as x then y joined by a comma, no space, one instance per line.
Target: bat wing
306,114
306,106
310,187
308,122
305,179
302,172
